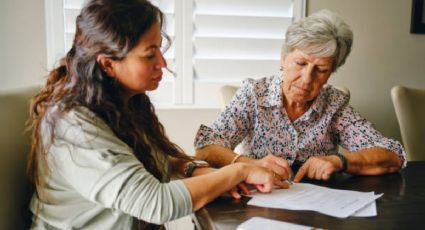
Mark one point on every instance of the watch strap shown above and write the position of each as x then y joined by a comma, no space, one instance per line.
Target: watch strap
343,162
192,165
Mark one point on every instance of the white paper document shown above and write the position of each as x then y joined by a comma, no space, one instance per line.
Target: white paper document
333,202
368,211
256,223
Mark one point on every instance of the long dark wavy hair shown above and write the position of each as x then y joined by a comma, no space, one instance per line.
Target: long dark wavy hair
111,28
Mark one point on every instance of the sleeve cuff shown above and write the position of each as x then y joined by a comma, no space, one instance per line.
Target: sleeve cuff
182,197
395,147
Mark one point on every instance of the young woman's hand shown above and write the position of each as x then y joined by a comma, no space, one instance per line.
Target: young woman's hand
261,178
241,189
236,192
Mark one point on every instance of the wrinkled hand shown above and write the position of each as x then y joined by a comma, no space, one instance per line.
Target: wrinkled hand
319,168
280,168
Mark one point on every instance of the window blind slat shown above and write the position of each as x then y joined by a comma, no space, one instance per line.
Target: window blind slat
208,69
236,48
242,27
277,8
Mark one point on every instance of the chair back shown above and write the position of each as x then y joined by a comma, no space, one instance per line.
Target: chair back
343,89
226,94
14,142
409,105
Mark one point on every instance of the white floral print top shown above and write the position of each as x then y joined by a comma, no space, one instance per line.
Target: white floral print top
255,118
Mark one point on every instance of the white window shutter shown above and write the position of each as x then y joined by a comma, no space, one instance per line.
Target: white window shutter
234,40
214,43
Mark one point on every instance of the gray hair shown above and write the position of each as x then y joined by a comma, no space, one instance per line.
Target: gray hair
322,34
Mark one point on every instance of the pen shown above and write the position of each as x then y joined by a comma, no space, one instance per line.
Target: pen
290,179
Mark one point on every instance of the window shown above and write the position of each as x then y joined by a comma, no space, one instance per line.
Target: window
215,42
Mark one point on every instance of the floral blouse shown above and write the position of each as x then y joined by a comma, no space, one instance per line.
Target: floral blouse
255,118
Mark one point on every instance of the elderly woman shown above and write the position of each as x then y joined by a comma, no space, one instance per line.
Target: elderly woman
296,119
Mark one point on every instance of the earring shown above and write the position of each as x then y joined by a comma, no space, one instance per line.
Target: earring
281,69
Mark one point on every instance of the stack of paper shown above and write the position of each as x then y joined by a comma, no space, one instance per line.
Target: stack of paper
333,202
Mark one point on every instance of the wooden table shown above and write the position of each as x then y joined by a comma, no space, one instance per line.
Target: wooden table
401,207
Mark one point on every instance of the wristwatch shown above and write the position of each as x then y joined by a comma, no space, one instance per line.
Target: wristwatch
192,165
343,162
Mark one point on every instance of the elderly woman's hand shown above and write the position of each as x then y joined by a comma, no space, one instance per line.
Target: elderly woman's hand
319,168
280,168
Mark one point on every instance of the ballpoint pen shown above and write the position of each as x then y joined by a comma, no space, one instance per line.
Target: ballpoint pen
290,179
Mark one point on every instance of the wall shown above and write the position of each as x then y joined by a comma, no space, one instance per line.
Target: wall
384,54
22,43
182,124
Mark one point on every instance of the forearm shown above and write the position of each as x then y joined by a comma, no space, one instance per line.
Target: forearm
373,161
143,196
206,187
219,156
